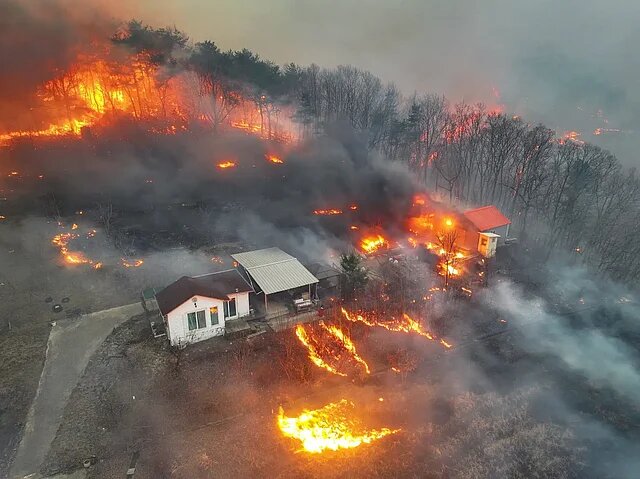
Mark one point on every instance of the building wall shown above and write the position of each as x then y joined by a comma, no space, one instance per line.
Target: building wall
177,326
503,231
468,237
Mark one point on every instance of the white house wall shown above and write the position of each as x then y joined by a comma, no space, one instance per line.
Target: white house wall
178,329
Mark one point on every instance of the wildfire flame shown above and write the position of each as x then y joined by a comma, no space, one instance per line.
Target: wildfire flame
62,240
134,263
348,345
406,324
371,244
331,427
329,348
226,164
96,88
328,212
274,159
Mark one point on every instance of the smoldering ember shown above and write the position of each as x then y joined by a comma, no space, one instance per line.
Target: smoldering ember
217,266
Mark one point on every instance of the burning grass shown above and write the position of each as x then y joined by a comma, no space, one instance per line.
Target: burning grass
223,165
72,258
328,212
332,427
274,159
404,324
330,348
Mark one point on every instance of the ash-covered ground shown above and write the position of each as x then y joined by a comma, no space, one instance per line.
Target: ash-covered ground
541,380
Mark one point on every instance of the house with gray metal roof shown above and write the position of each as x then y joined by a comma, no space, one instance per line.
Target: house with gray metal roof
278,275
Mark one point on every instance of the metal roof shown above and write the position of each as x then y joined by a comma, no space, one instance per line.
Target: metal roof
487,218
274,270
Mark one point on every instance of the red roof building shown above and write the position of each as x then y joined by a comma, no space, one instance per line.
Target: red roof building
487,218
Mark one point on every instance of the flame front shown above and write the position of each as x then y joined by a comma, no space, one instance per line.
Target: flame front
133,263
348,345
274,159
313,353
406,324
226,164
328,212
331,427
62,240
330,348
371,244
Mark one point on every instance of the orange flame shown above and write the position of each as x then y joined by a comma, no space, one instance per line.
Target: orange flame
313,352
404,325
371,244
331,427
328,212
348,345
273,159
135,263
329,349
62,240
226,164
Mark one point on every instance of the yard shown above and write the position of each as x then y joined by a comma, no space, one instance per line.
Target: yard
211,412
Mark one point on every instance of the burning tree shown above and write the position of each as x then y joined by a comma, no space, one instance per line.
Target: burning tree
447,241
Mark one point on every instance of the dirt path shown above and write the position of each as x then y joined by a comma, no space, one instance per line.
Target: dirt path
71,344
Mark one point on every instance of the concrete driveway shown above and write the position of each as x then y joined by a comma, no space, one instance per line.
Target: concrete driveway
71,344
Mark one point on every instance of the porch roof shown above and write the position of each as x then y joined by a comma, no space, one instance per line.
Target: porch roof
274,270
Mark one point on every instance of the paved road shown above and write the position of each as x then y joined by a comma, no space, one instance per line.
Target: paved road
71,345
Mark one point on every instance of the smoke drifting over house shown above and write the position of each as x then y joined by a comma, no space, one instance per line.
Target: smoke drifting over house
481,325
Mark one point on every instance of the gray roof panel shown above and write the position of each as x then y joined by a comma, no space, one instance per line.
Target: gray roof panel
274,270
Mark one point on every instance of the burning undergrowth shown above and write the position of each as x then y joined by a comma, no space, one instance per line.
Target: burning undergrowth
331,427
125,168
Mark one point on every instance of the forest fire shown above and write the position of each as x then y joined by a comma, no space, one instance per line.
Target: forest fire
134,263
72,258
406,324
223,165
93,88
274,159
373,243
329,348
328,212
115,82
332,427
571,136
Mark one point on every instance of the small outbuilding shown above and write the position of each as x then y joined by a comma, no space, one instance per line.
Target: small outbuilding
486,226
200,307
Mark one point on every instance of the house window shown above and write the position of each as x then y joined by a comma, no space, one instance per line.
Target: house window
230,308
197,320
213,312
483,242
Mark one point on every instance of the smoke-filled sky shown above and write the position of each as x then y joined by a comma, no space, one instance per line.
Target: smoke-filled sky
556,62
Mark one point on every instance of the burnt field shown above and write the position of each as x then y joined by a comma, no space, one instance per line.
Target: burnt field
487,406
479,314
539,378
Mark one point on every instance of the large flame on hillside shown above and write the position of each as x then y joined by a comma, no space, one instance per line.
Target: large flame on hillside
331,427
113,84
93,89
404,324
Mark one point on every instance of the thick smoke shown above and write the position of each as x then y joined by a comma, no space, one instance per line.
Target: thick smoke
173,183
555,63
581,334
38,41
